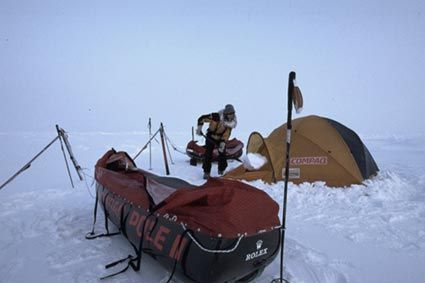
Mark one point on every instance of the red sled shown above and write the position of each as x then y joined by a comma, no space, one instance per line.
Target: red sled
196,152
208,233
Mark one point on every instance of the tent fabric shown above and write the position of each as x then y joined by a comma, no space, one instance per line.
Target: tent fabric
321,150
360,152
219,206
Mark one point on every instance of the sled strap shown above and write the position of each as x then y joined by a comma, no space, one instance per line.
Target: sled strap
213,251
89,236
130,258
105,214
92,235
123,220
138,259
175,259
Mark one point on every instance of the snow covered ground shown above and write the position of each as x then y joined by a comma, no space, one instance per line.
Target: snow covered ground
372,233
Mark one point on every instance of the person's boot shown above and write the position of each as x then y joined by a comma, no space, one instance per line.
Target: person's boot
206,176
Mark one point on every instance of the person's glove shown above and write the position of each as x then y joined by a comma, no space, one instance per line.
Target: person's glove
222,147
199,130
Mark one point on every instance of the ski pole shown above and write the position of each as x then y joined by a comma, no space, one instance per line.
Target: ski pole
288,147
294,96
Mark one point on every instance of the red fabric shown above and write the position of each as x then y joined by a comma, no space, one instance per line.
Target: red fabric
223,207
196,147
220,206
234,148
129,185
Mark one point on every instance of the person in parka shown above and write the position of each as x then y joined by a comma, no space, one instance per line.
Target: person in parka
220,127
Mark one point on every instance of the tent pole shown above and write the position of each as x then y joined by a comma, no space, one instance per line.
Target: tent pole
291,79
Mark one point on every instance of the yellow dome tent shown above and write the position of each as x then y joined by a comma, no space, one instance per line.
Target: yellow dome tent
321,150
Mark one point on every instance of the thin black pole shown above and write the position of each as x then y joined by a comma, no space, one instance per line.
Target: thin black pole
26,166
167,169
193,135
292,76
150,143
167,141
64,155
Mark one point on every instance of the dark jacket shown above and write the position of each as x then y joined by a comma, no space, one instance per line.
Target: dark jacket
218,129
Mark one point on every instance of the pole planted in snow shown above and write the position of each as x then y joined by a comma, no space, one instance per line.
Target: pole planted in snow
167,141
74,161
294,96
64,155
167,169
150,143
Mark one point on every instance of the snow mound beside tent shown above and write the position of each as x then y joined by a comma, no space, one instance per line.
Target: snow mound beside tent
253,161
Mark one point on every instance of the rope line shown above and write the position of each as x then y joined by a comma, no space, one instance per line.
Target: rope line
85,181
210,250
173,145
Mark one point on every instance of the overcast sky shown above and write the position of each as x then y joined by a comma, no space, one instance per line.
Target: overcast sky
110,65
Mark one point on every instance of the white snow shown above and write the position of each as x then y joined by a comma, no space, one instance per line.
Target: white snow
253,161
365,233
